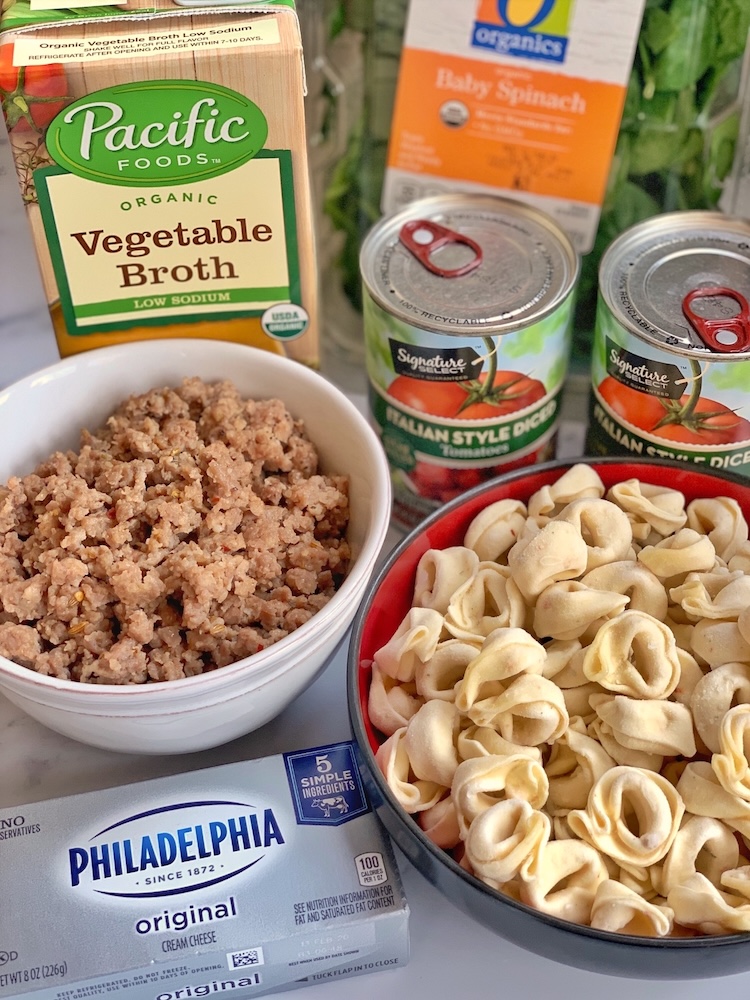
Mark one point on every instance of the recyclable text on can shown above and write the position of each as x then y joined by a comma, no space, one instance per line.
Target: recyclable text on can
671,357
467,306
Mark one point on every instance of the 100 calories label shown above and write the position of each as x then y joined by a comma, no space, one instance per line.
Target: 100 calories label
467,322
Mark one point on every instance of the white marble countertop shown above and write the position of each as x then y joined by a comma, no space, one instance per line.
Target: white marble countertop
451,955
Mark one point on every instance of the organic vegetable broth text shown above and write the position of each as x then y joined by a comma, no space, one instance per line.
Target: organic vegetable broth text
671,361
467,303
161,156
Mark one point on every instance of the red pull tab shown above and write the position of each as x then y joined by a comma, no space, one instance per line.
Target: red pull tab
422,238
729,335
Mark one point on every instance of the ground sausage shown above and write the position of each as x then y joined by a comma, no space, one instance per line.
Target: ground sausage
191,530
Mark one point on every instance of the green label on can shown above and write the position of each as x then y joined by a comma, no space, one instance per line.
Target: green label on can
406,436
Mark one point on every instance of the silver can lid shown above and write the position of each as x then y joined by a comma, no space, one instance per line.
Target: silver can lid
681,281
468,264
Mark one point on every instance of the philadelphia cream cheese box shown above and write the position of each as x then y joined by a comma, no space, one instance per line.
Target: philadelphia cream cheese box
239,880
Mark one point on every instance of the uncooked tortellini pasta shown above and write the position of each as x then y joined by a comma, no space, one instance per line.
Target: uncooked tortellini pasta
632,815
440,573
495,529
657,508
617,907
566,705
634,654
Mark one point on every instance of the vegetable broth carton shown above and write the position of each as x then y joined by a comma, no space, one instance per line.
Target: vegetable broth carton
243,879
161,155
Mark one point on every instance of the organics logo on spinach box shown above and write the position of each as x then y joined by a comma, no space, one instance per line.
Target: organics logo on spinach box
157,132
530,29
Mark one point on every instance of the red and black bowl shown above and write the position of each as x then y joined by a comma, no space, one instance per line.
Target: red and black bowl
386,602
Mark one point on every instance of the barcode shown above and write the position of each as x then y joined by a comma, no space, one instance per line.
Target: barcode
245,958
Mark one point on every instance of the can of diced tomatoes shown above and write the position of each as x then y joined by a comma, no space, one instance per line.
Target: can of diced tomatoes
671,355
467,316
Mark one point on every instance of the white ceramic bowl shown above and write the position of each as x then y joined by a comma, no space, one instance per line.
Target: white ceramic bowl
46,411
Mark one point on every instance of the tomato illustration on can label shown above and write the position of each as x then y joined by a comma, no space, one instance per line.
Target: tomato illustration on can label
453,413
704,419
31,95
692,419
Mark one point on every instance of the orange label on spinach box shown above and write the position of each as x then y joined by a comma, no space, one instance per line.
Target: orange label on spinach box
162,160
513,97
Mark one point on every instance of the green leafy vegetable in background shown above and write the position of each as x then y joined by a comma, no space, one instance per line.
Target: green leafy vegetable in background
679,126
352,199
729,377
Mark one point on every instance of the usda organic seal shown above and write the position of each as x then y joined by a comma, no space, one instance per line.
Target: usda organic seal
285,321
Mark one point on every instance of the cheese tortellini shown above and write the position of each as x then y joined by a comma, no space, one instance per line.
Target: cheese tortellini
566,705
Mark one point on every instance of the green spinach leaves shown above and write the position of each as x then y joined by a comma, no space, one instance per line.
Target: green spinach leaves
679,126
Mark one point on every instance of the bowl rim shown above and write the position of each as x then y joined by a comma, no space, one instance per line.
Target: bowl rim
335,609
405,821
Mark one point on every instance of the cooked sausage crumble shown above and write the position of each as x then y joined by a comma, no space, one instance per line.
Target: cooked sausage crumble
192,530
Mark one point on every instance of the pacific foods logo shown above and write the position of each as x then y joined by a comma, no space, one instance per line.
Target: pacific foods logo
529,29
174,849
157,132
